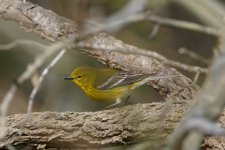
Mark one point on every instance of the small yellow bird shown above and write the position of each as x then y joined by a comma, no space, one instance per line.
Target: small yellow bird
103,84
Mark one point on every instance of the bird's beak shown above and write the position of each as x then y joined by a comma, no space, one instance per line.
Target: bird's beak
68,78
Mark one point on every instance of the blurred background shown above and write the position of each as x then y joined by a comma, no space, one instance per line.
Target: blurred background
57,94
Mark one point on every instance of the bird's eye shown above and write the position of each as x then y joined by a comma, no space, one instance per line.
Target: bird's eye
79,77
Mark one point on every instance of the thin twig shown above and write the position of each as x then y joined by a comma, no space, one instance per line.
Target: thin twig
196,77
138,17
205,126
194,55
181,24
30,70
26,43
154,32
186,67
117,20
39,83
4,108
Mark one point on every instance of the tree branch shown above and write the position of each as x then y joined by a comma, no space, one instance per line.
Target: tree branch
126,125
34,18
102,47
114,127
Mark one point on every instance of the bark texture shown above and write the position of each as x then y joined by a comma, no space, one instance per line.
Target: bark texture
127,125
121,126
36,19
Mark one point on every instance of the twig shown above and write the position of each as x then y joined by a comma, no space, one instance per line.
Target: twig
205,126
39,60
155,19
194,55
43,74
181,24
31,68
185,67
204,11
117,20
196,77
132,8
27,43
4,108
155,31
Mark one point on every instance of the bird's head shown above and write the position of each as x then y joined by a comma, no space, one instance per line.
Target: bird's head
82,76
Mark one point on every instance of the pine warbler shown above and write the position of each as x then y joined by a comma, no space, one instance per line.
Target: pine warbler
109,84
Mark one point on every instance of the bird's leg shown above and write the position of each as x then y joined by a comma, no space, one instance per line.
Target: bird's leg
118,101
126,100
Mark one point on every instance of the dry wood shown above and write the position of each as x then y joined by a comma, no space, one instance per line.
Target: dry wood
108,128
126,125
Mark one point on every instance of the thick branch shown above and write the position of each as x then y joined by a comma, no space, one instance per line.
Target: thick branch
126,125
37,19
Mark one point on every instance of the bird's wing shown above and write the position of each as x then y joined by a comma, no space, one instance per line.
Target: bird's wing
121,79
103,75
